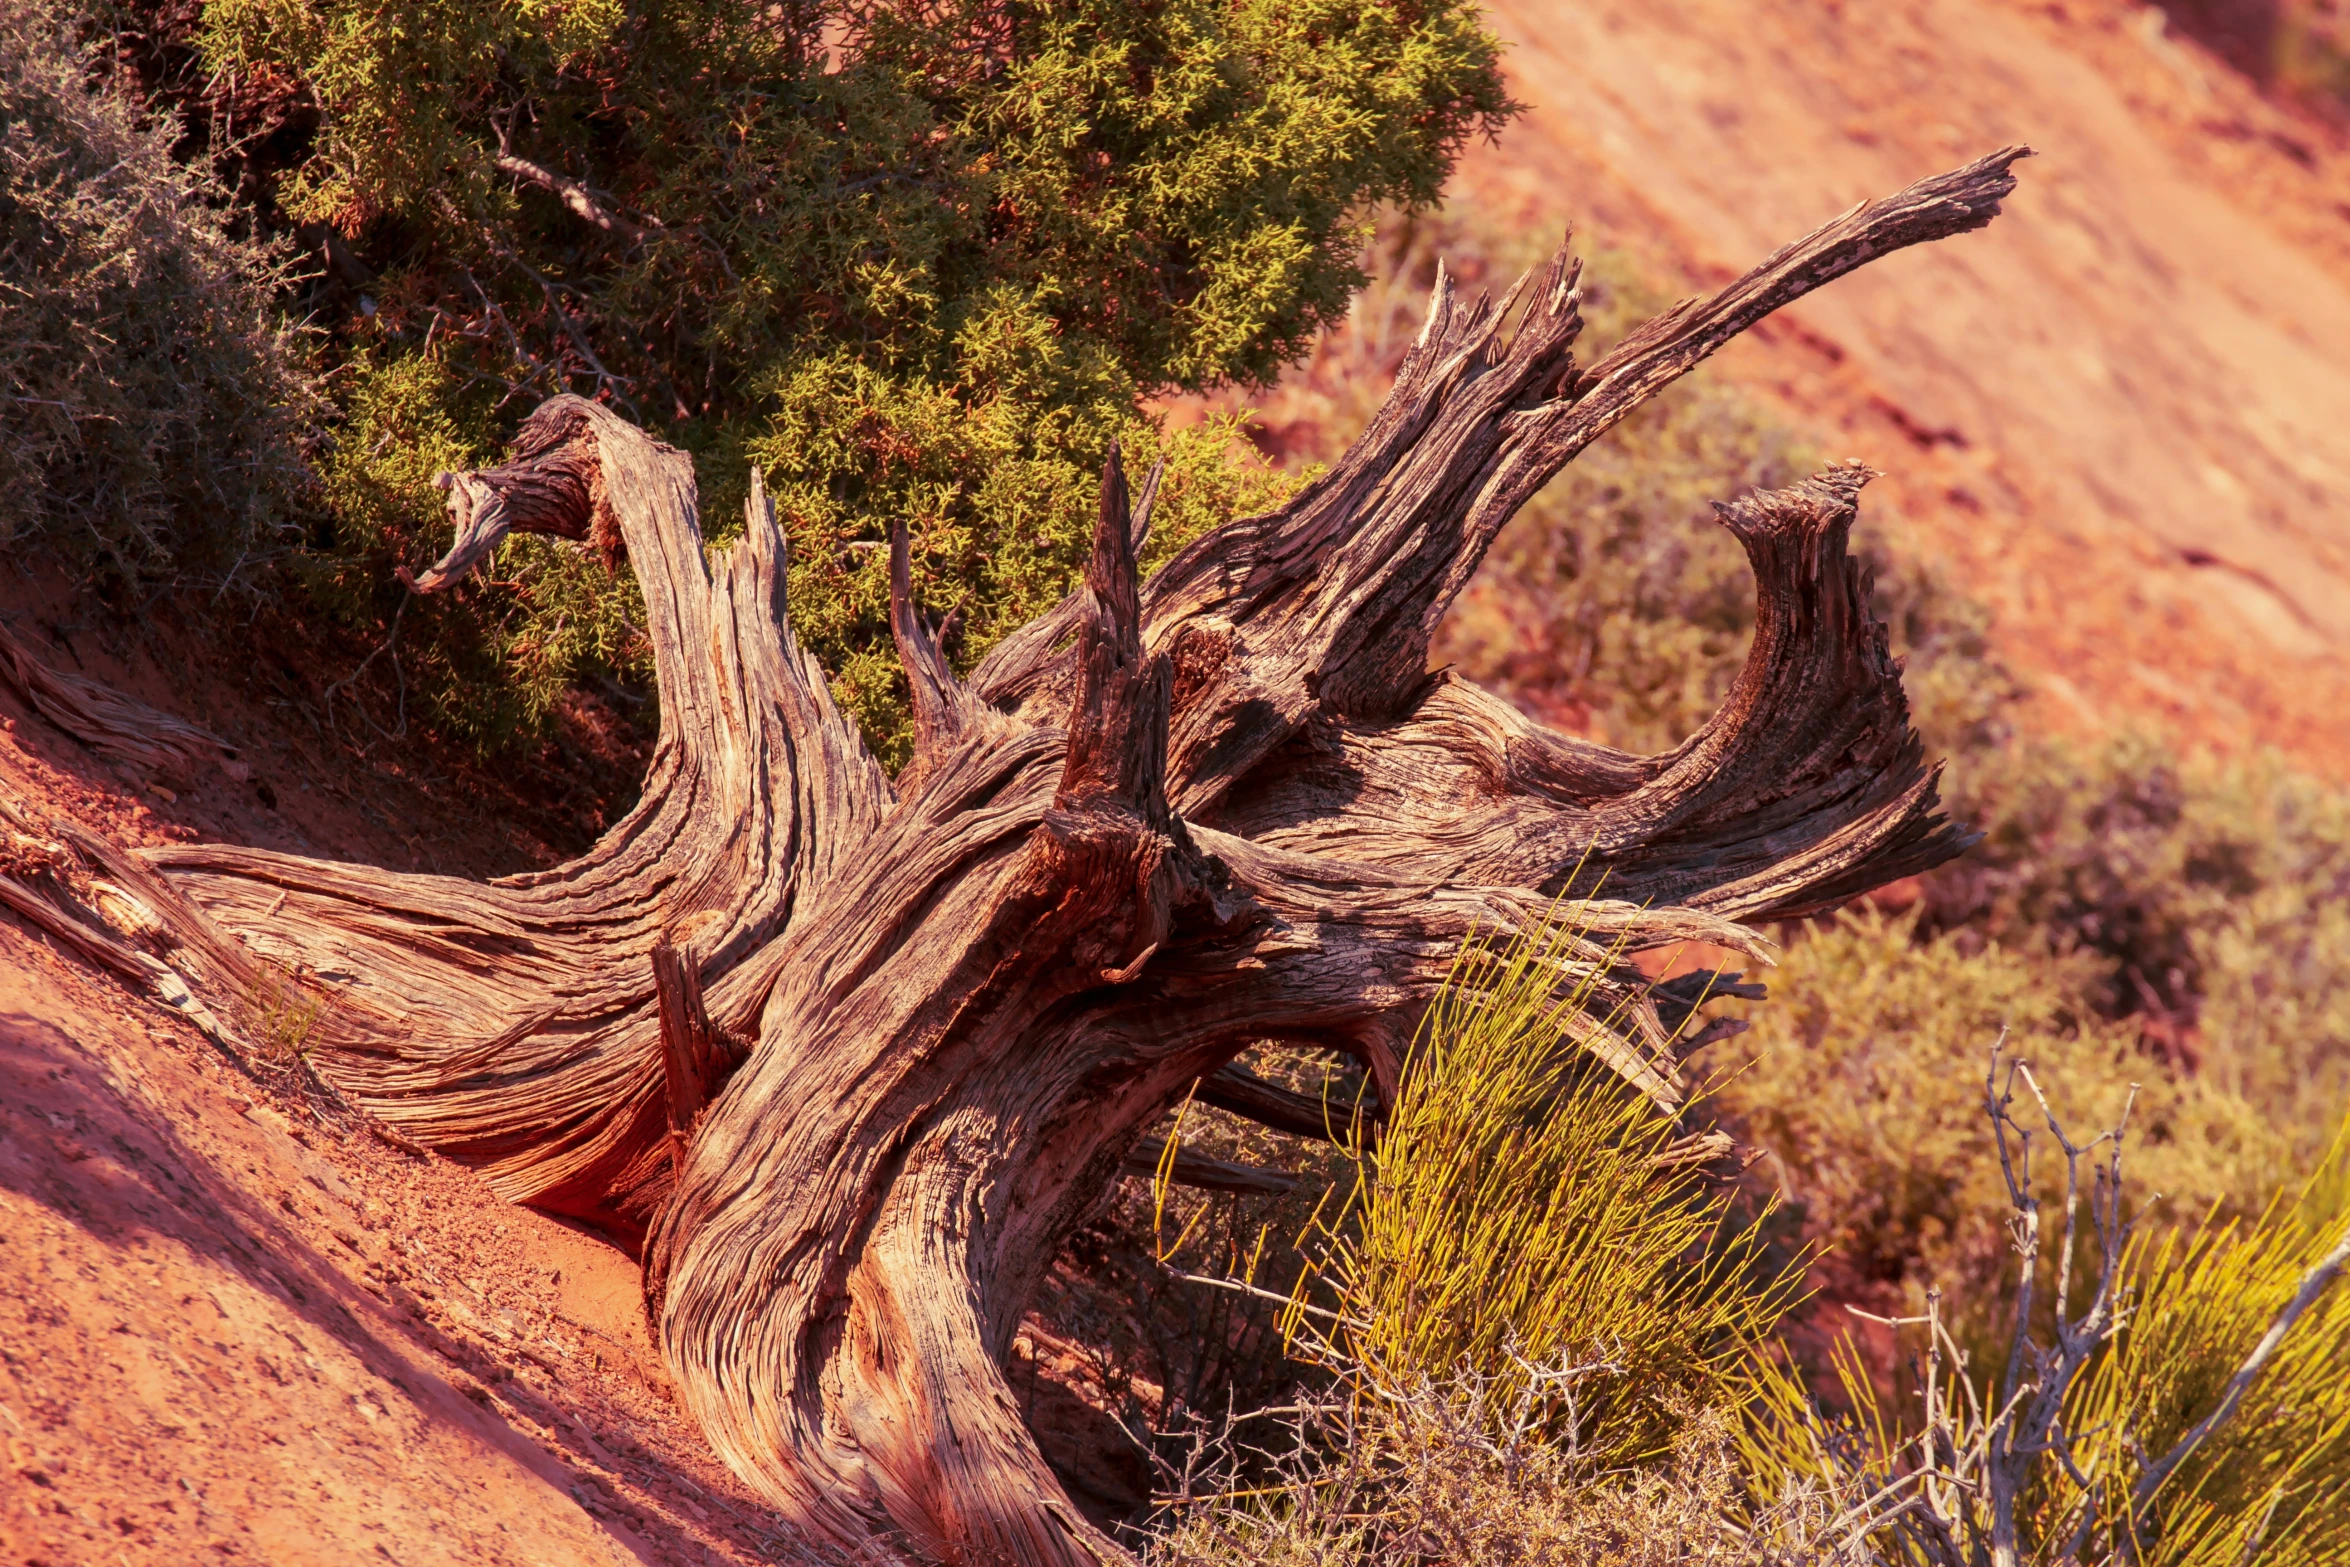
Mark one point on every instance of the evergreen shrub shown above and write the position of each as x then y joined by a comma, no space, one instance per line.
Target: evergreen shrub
151,405
917,262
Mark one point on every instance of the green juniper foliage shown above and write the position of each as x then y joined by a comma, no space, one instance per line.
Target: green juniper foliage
916,261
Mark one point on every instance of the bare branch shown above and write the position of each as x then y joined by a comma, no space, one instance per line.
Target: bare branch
1215,1175
2313,1285
115,726
1240,1092
942,712
581,198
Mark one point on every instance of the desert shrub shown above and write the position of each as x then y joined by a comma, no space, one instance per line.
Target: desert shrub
1493,1463
2211,898
152,400
918,262
1400,1484
1527,1323
2178,1400
1861,1085
2273,1483
1520,1206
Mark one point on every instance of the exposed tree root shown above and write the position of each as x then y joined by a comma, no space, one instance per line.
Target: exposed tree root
1166,822
113,725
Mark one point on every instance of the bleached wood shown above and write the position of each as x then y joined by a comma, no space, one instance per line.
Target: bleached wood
1166,822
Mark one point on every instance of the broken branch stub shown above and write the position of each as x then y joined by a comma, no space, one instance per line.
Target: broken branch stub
1169,821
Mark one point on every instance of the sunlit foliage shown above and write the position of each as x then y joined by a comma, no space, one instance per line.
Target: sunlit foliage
918,262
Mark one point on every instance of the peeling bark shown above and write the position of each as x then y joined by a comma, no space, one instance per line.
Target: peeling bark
1165,822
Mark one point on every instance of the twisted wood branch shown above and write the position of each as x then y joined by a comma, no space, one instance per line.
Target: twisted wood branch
1167,821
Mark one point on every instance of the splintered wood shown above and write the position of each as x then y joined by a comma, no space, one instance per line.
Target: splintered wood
1171,820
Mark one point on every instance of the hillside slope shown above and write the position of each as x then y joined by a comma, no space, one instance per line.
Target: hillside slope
2122,413
233,1326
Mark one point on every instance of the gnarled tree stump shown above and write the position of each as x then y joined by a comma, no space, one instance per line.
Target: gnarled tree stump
1165,822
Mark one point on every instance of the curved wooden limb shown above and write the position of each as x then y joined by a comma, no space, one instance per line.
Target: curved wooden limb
1231,806
1806,789
512,1023
554,484
115,726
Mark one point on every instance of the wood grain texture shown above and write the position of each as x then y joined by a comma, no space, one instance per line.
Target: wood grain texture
115,726
1167,821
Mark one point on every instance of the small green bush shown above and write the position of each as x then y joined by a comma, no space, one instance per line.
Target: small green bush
153,403
1528,1321
1520,1206
920,263
1860,1083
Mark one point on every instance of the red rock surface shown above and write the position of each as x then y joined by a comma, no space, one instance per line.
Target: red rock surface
2122,413
235,1329
230,1333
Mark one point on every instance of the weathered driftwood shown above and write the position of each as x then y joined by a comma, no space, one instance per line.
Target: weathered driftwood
115,726
1165,822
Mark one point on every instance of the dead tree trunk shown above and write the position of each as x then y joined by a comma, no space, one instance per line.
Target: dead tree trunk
1164,822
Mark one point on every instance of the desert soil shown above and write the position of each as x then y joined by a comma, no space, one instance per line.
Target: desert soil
234,1326
2121,414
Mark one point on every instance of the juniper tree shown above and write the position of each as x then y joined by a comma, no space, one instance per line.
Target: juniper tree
855,1054
920,262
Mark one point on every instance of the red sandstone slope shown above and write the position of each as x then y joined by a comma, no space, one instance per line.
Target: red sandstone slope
229,1335
2122,412
233,1331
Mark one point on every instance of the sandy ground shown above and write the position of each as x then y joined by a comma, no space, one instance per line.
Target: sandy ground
229,1332
234,1326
